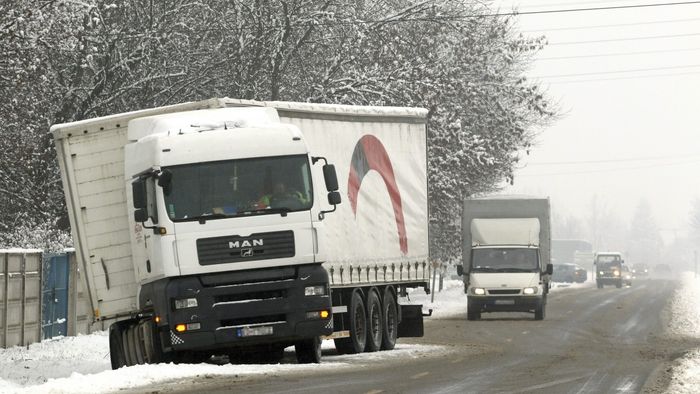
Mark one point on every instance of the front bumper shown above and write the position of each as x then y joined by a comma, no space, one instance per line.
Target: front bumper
244,308
504,303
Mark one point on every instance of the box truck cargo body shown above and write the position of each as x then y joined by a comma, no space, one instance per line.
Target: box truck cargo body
506,255
216,226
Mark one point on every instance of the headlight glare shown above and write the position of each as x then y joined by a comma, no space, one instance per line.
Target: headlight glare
479,291
530,290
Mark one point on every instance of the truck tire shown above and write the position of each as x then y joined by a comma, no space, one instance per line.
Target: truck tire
391,320
618,285
540,309
473,312
134,335
128,355
308,351
116,347
358,327
375,322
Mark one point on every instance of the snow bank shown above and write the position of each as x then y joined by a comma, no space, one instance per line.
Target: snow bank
685,321
81,365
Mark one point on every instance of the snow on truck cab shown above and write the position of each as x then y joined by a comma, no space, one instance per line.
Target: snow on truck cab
506,255
213,228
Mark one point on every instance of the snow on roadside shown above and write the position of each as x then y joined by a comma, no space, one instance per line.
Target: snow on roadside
685,321
81,365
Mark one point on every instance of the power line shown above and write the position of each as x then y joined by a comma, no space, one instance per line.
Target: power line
613,25
610,169
619,7
623,39
622,78
617,71
619,54
629,159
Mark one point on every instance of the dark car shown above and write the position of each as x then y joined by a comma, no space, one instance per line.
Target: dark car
569,273
640,270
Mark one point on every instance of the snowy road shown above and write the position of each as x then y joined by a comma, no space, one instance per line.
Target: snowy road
644,338
609,340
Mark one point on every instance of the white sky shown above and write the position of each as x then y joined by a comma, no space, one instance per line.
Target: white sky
630,116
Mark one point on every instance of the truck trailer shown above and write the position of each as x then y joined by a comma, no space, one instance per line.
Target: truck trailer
217,227
506,255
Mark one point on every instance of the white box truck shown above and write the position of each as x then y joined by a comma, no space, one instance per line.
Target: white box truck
506,255
215,227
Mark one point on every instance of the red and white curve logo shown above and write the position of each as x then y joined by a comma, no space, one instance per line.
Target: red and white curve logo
369,154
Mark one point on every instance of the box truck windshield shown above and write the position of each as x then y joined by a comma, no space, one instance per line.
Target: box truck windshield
238,187
505,260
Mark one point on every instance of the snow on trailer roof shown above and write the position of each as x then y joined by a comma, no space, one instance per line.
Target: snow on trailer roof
64,130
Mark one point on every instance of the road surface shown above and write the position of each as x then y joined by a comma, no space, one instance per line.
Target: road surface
592,341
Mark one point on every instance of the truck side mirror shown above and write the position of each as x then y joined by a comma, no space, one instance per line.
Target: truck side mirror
140,215
330,177
460,270
164,179
138,188
334,198
550,269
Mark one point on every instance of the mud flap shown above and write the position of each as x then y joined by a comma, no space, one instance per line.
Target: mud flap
411,324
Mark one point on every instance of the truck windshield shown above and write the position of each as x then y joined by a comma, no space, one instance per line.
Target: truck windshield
504,260
243,187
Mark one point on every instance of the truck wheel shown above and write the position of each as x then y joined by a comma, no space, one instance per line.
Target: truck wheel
308,351
137,344
618,285
391,321
476,315
358,327
375,320
116,347
126,349
539,312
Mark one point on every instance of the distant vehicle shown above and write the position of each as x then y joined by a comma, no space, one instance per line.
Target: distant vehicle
506,255
640,270
608,269
569,273
626,275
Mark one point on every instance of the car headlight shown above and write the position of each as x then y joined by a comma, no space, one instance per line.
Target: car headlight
315,290
479,291
185,303
530,290
601,273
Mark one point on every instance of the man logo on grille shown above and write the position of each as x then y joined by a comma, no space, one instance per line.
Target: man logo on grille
247,252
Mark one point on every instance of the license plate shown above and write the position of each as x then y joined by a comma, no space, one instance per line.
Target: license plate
505,302
254,331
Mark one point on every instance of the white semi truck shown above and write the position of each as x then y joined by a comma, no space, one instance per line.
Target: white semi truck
216,227
506,255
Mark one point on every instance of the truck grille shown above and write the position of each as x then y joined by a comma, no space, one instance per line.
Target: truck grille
499,292
235,249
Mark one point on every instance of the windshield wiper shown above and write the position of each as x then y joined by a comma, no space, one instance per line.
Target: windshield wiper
281,210
515,269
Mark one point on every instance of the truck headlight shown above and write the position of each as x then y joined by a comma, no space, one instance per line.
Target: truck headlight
616,273
185,303
479,291
315,290
530,290
601,273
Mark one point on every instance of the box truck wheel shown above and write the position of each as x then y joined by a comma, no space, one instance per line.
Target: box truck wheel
116,347
375,322
358,327
391,320
539,311
308,351
473,311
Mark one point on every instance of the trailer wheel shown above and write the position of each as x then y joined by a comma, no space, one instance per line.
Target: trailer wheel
375,322
358,327
116,347
391,320
308,351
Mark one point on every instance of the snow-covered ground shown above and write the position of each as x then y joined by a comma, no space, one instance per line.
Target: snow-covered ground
81,364
685,322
